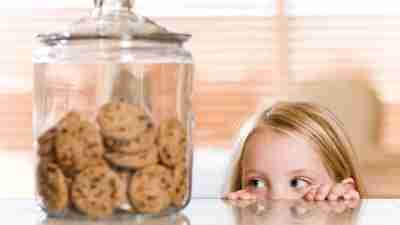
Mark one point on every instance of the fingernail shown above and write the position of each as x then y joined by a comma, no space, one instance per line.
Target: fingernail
245,196
232,196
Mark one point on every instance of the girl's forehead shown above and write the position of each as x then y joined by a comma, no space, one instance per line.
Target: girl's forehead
268,149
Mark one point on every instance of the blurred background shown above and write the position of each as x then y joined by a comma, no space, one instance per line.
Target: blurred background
246,52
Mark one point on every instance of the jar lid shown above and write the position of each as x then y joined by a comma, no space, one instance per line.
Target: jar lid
114,19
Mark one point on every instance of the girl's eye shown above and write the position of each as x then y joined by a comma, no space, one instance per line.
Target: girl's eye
298,183
256,183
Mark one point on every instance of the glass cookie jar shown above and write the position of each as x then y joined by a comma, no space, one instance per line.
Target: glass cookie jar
112,116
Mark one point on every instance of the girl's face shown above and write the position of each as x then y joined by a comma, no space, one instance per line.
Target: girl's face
279,166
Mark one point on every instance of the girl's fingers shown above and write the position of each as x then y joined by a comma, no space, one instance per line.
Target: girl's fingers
351,195
307,190
340,191
241,194
337,191
322,192
310,195
233,195
348,181
246,196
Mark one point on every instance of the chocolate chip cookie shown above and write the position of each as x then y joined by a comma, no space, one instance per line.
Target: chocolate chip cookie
181,184
120,120
136,160
46,142
52,187
172,142
78,145
144,140
97,191
150,189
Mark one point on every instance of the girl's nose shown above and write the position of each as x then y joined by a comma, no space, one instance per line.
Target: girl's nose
276,195
282,193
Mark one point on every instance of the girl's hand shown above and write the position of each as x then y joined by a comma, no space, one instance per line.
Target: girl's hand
344,190
240,195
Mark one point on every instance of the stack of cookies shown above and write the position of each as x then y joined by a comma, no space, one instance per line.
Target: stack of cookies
124,163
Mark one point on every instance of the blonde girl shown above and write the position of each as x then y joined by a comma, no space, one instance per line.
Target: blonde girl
294,150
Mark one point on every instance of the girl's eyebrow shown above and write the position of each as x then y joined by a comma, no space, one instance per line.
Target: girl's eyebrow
302,171
256,172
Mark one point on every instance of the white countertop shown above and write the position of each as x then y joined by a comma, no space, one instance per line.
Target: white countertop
215,211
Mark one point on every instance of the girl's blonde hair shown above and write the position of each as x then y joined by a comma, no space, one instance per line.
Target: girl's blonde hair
309,121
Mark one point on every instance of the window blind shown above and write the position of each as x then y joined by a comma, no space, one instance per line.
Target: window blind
323,34
235,58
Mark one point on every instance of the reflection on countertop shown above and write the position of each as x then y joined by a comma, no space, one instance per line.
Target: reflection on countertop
176,219
217,211
295,212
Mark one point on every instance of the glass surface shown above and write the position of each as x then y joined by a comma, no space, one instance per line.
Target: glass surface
215,211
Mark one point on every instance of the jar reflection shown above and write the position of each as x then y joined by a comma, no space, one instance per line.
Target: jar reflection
123,219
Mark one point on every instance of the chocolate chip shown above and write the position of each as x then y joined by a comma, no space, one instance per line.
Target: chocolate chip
110,142
103,207
112,183
140,203
142,117
96,179
114,194
151,198
93,145
63,157
52,169
99,194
